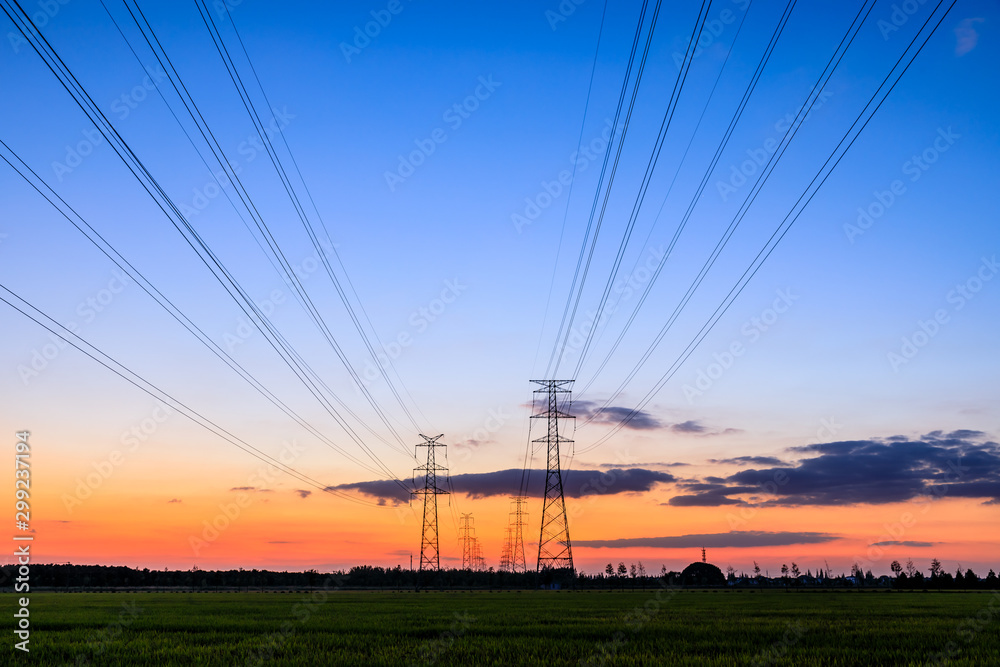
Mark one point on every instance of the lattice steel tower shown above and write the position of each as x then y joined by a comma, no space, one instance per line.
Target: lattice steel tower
554,548
430,554
505,559
467,536
520,517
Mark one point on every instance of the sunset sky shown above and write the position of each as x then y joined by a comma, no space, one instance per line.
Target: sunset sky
844,408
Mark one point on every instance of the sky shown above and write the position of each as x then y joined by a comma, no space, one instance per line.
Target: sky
843,408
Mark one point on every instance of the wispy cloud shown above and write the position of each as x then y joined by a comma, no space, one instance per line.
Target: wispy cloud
735,539
966,35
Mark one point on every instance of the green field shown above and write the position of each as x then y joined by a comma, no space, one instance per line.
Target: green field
509,628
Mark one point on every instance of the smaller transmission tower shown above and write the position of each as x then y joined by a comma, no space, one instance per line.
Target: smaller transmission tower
519,519
430,553
478,563
467,536
506,564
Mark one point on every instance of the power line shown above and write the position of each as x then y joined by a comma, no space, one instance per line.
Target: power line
647,177
666,196
818,180
604,166
163,201
144,385
569,190
289,274
762,178
102,244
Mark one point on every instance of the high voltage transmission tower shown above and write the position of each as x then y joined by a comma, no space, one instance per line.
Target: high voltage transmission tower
430,554
554,548
505,559
518,520
467,536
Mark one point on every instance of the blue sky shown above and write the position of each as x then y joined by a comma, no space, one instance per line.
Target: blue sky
449,228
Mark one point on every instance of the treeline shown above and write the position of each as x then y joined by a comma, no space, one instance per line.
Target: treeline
103,577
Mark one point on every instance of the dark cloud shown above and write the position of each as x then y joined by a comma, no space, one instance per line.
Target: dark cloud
576,483
735,539
303,493
591,410
754,460
690,426
902,543
955,465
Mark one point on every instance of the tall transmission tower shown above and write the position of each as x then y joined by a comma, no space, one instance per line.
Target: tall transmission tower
430,553
554,548
520,520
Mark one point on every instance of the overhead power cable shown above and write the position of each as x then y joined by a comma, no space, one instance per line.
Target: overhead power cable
41,319
880,94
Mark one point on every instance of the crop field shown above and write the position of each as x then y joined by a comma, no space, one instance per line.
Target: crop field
511,628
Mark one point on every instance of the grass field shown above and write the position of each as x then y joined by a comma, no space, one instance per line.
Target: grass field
510,628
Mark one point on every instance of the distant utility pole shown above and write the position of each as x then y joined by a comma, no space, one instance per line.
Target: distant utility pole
554,548
430,554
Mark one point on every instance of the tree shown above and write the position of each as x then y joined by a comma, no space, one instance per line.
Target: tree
896,568
633,572
971,578
642,574
784,571
911,569
756,570
622,573
730,573
795,571
610,570
935,569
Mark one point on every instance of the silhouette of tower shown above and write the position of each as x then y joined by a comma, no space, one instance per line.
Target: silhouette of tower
467,536
430,554
554,548
505,559
520,518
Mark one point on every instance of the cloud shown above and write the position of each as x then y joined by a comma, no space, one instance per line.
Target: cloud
690,426
640,421
954,465
251,489
174,500
303,493
966,36
902,543
695,427
736,539
576,484
755,460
